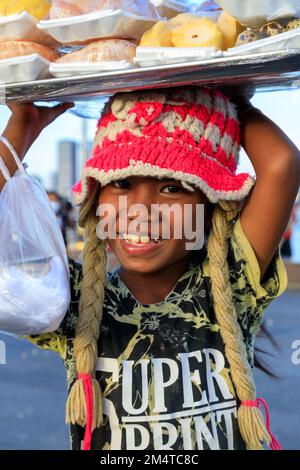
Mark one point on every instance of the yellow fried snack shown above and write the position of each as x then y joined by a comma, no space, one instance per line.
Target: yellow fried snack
37,8
158,36
230,28
182,18
200,32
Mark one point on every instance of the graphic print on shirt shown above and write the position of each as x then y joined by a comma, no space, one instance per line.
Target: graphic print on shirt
204,422
165,381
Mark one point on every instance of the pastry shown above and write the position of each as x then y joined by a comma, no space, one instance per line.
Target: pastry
102,50
158,36
230,29
198,32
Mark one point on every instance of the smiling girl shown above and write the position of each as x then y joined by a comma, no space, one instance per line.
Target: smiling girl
159,351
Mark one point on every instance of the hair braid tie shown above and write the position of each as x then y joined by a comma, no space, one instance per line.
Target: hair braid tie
250,419
274,445
85,402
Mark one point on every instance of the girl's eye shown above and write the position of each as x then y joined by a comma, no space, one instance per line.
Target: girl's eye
172,189
121,184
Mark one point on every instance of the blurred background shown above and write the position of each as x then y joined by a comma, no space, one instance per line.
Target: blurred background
33,382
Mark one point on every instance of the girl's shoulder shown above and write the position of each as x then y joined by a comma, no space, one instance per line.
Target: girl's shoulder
244,267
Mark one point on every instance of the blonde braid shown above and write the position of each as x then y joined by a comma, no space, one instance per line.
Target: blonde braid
89,320
250,419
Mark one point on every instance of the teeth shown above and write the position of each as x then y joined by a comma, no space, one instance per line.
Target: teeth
137,238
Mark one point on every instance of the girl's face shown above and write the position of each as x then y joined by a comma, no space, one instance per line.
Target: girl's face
148,255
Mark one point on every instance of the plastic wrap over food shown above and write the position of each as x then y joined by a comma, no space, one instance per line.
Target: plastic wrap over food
11,49
254,13
110,50
34,275
67,8
39,9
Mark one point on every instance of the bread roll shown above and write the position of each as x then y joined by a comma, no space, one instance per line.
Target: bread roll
102,50
11,49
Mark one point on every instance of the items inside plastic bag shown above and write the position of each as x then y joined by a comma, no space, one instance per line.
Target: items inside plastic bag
102,50
34,274
67,8
37,8
23,48
254,13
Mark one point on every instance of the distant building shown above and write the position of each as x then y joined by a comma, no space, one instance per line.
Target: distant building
67,167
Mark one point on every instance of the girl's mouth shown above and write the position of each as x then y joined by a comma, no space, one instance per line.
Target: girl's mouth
135,244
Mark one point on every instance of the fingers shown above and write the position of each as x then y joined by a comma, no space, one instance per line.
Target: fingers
50,114
61,108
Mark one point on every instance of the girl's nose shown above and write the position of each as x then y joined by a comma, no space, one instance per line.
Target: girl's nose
143,193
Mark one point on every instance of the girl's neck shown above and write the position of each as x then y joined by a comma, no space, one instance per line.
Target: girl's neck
152,288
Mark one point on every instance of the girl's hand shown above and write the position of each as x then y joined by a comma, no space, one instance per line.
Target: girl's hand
24,126
27,121
34,119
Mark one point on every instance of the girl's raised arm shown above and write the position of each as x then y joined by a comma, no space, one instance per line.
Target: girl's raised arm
276,161
24,126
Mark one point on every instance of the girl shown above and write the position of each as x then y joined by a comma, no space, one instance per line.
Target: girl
159,352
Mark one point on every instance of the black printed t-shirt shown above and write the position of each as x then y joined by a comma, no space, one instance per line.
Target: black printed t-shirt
162,367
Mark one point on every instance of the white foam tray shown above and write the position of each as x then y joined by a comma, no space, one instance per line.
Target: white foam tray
21,27
24,69
152,56
280,42
255,13
97,25
86,68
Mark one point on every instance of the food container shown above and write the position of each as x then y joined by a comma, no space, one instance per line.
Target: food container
289,40
86,68
152,56
170,8
97,25
24,69
22,27
255,13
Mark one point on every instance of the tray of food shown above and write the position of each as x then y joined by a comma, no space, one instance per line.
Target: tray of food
99,56
262,70
24,61
207,45
91,26
23,26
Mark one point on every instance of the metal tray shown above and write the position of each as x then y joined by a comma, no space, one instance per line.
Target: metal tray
262,71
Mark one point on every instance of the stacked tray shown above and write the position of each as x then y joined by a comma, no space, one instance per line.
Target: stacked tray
263,71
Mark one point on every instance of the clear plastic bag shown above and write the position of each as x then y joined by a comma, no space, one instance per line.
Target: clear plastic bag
110,50
37,8
34,274
255,13
11,49
67,8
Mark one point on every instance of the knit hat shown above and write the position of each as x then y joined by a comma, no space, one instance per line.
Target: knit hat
187,134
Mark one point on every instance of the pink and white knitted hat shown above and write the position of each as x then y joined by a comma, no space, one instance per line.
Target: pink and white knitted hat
187,134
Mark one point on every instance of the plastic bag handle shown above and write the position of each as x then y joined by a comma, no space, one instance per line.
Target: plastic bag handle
14,154
4,170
